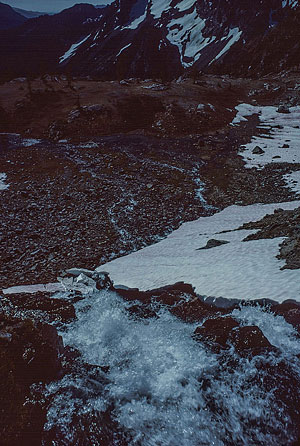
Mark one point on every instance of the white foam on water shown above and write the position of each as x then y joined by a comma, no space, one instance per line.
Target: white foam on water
164,387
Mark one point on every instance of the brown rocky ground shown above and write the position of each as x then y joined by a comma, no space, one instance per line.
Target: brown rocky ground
84,108
83,203
119,166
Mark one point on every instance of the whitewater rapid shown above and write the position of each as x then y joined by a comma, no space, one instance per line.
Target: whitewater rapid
162,387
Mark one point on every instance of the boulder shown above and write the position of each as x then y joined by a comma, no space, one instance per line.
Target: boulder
283,109
249,340
141,312
196,310
94,279
291,313
167,295
258,150
212,243
215,332
30,352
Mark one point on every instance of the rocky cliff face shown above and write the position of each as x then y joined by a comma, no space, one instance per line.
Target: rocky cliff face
158,38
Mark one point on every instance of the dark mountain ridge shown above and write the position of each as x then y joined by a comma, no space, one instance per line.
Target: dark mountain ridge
29,14
158,39
9,18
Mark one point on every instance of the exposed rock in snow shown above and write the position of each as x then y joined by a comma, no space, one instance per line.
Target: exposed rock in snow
212,243
280,129
258,150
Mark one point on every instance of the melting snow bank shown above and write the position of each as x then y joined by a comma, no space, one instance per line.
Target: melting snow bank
280,143
293,181
152,382
236,269
31,289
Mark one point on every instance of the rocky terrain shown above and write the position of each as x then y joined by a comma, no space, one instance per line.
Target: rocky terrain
92,171
77,197
280,224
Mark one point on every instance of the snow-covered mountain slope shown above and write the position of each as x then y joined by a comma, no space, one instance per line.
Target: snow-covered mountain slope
152,38
163,37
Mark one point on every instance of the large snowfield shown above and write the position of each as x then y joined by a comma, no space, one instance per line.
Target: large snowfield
238,269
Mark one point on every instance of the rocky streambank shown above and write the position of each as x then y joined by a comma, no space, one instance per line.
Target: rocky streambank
33,354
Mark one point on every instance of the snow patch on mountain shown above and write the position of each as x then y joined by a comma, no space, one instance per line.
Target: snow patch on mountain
136,23
158,7
237,269
232,37
291,3
123,49
185,29
72,50
186,33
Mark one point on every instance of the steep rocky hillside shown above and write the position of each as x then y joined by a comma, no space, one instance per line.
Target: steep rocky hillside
158,39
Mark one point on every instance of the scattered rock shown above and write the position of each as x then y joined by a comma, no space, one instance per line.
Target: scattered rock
285,146
157,87
213,243
283,109
290,251
283,223
41,306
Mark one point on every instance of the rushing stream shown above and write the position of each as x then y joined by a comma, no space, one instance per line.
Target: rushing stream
156,385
